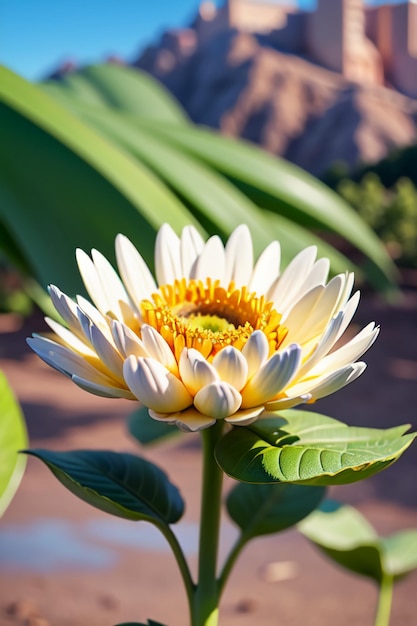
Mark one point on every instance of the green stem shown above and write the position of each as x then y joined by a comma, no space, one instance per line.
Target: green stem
206,599
384,601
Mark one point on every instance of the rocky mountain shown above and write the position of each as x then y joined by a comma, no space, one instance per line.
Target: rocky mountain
314,117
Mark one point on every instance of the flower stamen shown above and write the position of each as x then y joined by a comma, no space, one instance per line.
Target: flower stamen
208,317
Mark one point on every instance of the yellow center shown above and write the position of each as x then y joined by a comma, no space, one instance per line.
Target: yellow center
208,317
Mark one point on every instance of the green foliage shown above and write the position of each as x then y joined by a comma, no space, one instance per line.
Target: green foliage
266,509
308,448
118,483
13,437
347,538
107,150
147,430
391,213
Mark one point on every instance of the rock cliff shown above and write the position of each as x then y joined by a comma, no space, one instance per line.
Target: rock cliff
314,117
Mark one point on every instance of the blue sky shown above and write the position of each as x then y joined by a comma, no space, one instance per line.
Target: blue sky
37,35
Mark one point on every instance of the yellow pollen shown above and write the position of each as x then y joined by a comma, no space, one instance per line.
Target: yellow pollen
208,317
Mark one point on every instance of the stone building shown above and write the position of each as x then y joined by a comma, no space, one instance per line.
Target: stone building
376,45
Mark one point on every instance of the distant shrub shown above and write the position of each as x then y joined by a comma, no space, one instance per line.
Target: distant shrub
391,213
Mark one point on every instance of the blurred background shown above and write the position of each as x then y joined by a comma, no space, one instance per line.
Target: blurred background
297,118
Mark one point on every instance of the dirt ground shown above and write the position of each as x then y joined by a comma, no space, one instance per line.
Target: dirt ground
62,563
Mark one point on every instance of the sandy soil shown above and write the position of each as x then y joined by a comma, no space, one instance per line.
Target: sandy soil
62,563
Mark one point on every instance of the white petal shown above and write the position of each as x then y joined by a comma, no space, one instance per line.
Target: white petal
245,417
107,352
66,307
95,280
189,420
91,280
256,351
94,316
126,341
286,403
239,257
135,273
191,246
195,371
155,386
218,400
309,318
266,270
349,352
318,274
69,338
272,378
167,256
112,285
211,262
158,348
337,380
102,390
231,366
288,286
66,361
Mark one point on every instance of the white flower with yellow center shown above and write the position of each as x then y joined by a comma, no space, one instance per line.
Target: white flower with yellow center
215,337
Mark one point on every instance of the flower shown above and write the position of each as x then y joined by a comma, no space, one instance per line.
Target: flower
216,336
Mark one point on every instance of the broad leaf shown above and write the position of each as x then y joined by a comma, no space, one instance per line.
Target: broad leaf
346,537
400,552
59,176
147,430
117,483
266,509
13,438
121,88
308,448
219,203
282,187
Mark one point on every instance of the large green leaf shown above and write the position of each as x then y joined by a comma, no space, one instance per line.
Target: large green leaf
121,88
346,537
147,430
265,509
214,200
282,187
118,483
308,448
13,438
63,186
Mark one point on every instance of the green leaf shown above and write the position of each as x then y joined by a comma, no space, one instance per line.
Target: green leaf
121,88
214,200
282,187
13,437
346,537
265,509
400,552
117,483
147,430
308,448
59,176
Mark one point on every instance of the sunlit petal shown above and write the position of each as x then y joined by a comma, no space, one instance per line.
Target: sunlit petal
196,372
167,256
155,386
218,400
231,366
135,273
273,376
239,256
